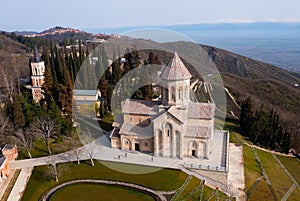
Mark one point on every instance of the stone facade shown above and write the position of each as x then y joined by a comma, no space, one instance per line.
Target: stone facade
37,77
172,127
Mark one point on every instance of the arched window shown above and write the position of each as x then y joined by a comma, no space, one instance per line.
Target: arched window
180,93
185,92
194,144
168,130
173,94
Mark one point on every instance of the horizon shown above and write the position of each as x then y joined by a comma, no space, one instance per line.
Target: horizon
34,15
88,29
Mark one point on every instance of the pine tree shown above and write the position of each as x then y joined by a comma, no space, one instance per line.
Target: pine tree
246,116
116,71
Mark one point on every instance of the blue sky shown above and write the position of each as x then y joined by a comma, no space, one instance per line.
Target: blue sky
39,15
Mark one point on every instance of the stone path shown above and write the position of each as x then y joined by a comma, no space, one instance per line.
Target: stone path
4,184
20,185
236,171
159,194
288,193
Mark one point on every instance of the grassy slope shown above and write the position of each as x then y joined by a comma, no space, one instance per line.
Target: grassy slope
251,167
279,179
292,165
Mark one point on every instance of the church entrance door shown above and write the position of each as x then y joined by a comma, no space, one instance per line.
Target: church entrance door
194,153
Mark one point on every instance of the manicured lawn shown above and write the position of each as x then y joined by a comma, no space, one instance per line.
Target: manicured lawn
279,179
91,192
252,170
261,192
165,179
292,165
194,182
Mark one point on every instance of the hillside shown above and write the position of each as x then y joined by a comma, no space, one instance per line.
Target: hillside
266,84
62,34
13,57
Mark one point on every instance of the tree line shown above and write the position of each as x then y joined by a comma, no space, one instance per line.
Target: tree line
264,127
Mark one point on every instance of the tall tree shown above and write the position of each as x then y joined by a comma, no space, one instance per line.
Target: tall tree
18,116
116,71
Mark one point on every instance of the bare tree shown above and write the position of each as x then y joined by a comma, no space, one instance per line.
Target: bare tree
75,150
55,170
6,129
45,128
9,83
91,147
25,139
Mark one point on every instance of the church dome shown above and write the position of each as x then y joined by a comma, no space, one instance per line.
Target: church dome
175,70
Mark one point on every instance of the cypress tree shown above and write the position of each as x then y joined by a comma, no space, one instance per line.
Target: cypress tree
18,115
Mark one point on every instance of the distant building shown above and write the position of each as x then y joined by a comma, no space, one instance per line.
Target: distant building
37,77
8,153
86,96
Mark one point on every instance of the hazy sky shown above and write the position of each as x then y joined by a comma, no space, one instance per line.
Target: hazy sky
39,15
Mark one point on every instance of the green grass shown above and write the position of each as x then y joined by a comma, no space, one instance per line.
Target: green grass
194,182
252,169
292,165
89,192
164,180
279,179
295,195
261,192
39,149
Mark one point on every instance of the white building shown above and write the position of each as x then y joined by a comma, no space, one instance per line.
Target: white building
172,127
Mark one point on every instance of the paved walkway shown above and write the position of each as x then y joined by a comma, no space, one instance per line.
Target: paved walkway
236,178
20,185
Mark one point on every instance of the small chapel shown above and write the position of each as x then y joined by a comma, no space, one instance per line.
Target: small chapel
174,126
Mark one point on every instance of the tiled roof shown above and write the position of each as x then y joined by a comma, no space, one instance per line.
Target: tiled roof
201,110
175,70
131,129
115,133
79,92
8,147
179,113
198,131
140,107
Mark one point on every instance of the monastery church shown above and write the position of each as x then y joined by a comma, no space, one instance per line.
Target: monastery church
172,127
